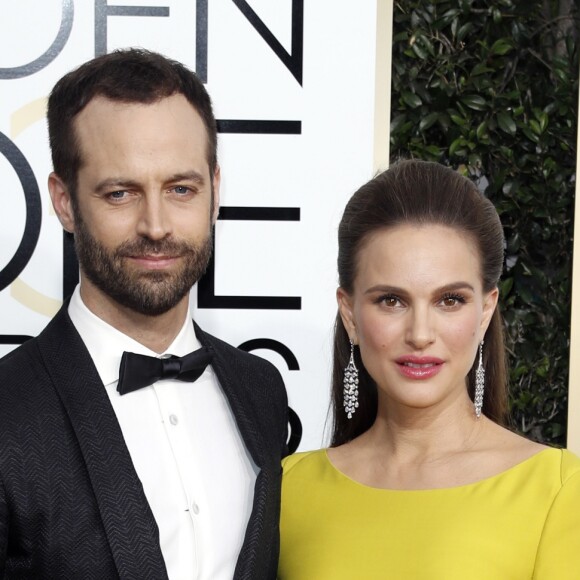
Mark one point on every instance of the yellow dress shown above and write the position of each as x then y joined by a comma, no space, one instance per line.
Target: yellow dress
521,524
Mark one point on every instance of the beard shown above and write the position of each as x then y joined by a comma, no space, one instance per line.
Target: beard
147,292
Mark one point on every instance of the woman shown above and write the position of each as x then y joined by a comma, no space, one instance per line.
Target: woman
423,481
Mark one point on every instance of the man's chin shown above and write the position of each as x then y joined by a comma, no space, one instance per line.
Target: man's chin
153,306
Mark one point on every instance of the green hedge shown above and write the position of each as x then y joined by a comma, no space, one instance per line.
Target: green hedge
491,88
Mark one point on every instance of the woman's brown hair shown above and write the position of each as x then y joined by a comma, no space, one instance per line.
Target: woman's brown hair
418,192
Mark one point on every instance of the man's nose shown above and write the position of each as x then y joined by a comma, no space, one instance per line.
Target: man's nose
154,221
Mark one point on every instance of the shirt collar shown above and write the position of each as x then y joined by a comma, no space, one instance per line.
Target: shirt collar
106,344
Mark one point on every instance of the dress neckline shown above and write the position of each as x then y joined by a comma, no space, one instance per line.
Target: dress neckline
491,478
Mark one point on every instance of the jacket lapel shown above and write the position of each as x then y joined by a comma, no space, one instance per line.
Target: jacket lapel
233,375
235,379
127,518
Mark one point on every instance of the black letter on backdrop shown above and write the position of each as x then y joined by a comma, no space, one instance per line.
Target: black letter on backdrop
33,211
206,297
293,60
103,11
201,40
53,51
294,423
275,346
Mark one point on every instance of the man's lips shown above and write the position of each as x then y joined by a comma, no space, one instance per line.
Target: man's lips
154,261
419,367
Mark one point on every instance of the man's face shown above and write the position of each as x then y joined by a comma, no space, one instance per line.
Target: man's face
143,211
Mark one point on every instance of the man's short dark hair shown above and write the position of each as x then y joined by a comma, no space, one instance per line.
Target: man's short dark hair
127,76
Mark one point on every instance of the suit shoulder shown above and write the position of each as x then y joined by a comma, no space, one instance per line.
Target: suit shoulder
18,359
238,355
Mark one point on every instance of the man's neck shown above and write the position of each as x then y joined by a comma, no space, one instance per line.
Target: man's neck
154,332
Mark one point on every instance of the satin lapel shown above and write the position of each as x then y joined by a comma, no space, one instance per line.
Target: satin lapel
127,518
233,377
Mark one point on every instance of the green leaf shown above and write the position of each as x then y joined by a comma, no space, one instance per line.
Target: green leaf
458,120
428,121
419,51
397,122
535,126
464,31
505,287
455,146
480,69
481,131
411,99
506,123
501,46
475,102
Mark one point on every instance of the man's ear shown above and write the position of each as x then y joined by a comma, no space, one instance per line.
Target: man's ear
61,202
217,178
345,307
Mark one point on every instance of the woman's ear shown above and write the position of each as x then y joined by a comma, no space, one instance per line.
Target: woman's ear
489,305
61,201
345,308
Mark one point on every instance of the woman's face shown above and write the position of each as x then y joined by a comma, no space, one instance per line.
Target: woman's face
418,312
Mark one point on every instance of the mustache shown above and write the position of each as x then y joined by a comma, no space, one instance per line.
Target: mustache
145,247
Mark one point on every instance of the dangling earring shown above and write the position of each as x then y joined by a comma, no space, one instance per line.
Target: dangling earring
350,382
479,383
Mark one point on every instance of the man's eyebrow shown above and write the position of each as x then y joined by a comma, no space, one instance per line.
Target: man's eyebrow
187,176
116,183
120,183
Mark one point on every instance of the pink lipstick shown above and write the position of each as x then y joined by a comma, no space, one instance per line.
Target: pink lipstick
419,367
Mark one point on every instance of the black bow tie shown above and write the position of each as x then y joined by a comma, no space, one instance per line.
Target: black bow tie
138,370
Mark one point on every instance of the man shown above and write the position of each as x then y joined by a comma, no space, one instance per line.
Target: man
117,465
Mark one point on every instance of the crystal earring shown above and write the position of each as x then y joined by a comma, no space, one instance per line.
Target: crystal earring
479,383
350,382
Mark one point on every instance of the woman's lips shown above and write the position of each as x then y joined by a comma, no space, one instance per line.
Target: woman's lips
419,367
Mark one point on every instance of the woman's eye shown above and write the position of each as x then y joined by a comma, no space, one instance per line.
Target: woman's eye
452,300
390,301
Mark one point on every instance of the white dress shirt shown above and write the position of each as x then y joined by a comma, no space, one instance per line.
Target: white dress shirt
186,448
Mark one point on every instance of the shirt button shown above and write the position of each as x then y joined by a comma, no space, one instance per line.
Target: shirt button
173,419
194,508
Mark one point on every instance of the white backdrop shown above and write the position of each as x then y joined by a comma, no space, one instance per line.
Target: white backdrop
309,63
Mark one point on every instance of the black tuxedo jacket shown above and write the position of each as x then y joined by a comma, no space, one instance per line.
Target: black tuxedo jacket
71,504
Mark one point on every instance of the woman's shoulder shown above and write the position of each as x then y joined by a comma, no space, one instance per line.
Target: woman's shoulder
557,463
552,466
303,461
570,466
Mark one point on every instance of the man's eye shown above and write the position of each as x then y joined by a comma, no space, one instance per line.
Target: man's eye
117,194
181,189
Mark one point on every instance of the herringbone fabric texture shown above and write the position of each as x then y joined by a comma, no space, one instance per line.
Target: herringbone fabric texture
71,504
